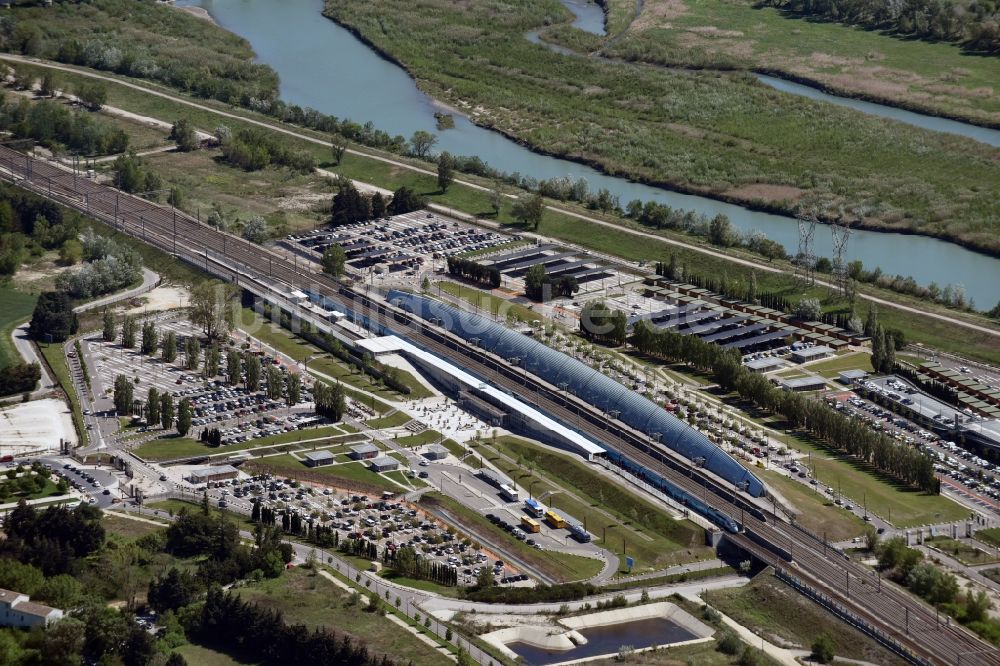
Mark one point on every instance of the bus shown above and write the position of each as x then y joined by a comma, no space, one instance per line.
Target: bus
554,519
508,493
577,531
530,525
534,508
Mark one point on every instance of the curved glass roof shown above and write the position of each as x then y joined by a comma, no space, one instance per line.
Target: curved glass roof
580,379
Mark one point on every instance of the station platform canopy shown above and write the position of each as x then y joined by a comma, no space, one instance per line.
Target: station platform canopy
587,383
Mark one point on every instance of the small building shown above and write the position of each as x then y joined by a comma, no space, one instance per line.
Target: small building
811,353
848,377
436,452
17,610
765,364
365,451
213,473
384,464
318,458
804,384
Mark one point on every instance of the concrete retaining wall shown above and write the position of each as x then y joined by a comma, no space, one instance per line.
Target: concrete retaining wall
566,636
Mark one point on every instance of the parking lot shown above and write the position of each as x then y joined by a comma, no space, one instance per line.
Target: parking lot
388,523
413,241
960,469
240,412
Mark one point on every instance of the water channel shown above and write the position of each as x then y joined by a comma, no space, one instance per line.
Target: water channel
323,66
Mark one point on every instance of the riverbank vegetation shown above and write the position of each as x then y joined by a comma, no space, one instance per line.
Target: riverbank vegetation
145,40
710,133
933,76
273,193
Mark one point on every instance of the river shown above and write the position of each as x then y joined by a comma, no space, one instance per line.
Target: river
324,66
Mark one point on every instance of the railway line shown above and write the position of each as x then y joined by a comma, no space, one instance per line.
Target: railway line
918,632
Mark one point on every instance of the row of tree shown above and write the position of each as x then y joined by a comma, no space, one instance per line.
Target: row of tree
112,266
350,205
540,286
55,126
252,149
55,540
470,270
330,400
852,436
974,24
601,325
226,620
905,565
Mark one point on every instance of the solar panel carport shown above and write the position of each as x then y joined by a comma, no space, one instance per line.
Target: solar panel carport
506,259
712,326
735,333
583,381
756,340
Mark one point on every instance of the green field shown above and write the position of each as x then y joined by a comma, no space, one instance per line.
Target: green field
989,535
203,656
930,332
53,354
393,420
48,490
939,78
965,553
632,526
487,302
352,471
304,597
768,607
830,367
15,307
169,447
320,361
859,483
818,515
716,133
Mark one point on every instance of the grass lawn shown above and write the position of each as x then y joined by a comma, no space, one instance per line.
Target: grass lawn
174,506
989,535
487,301
53,354
459,451
287,200
901,506
305,597
167,448
353,471
300,350
421,438
633,526
126,527
818,515
15,307
394,420
965,553
203,656
560,566
771,608
832,366
700,574
48,490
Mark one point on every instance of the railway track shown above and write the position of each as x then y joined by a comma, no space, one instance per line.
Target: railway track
896,616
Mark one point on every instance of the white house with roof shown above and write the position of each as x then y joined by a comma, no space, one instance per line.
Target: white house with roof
17,610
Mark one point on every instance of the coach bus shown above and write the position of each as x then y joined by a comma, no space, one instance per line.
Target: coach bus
530,525
554,519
